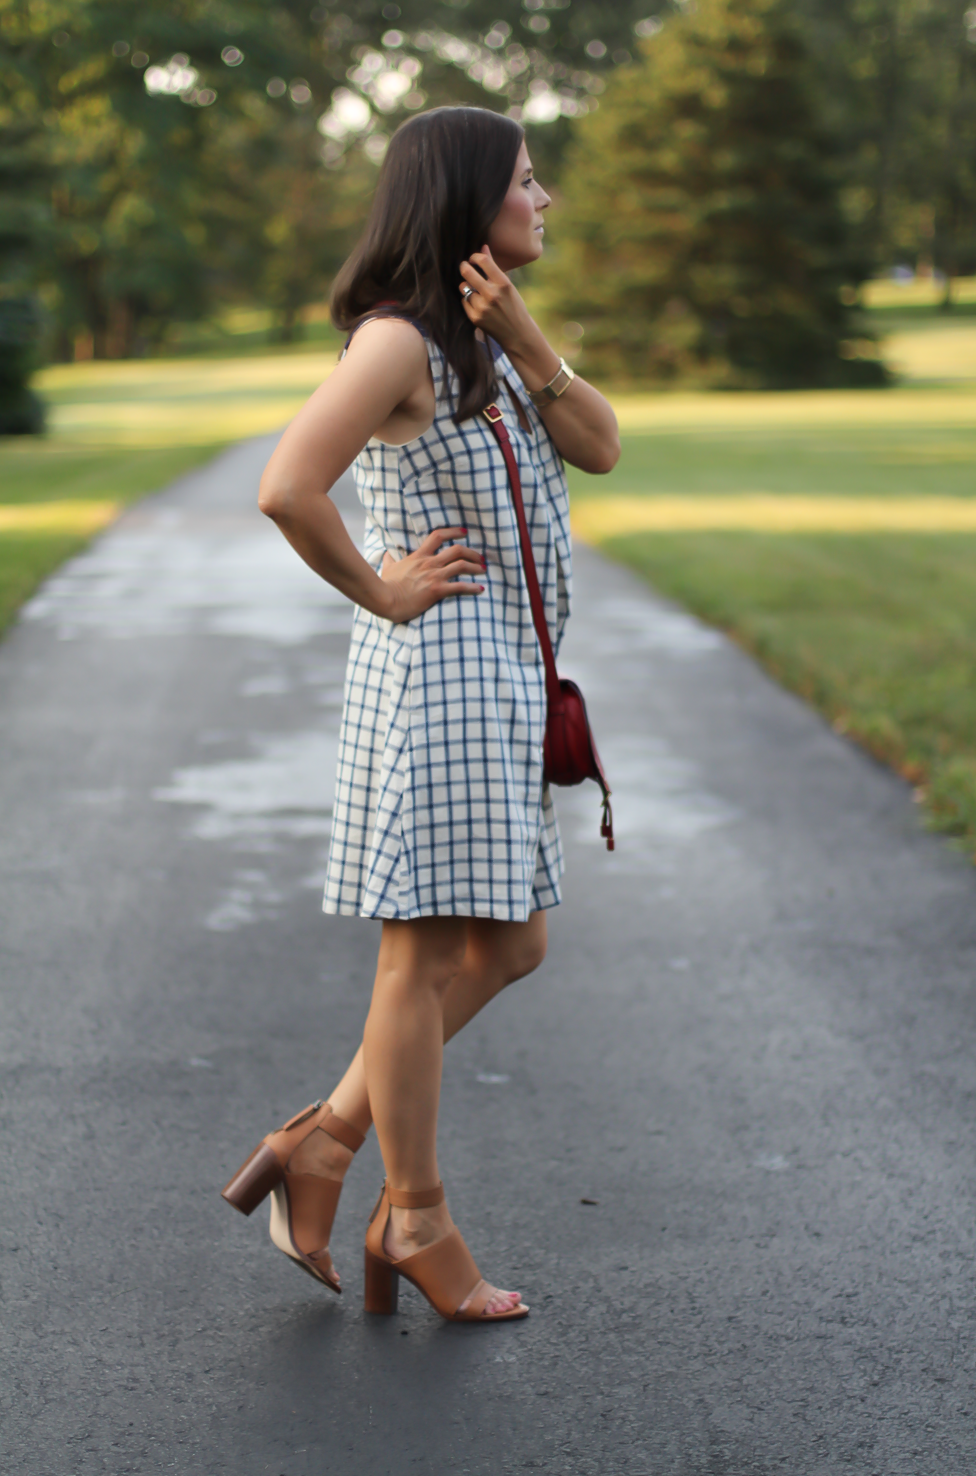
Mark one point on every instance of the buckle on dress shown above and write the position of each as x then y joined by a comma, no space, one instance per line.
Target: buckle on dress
492,414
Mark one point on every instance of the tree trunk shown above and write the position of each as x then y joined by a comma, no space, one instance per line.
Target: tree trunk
286,324
120,329
889,103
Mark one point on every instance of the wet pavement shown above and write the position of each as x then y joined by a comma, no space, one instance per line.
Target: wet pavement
723,1141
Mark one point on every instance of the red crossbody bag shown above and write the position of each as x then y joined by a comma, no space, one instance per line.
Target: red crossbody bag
568,752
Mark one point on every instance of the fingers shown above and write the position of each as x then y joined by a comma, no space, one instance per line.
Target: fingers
472,277
475,281
460,587
487,280
462,568
435,547
489,267
448,554
434,540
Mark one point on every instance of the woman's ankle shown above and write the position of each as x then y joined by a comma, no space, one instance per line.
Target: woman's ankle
416,1228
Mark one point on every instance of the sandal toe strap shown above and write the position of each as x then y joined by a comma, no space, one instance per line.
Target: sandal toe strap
480,1298
445,1271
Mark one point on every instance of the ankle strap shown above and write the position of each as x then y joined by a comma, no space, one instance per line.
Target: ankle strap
342,1131
415,1199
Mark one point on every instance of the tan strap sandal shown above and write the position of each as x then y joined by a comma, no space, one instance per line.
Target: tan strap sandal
445,1272
303,1206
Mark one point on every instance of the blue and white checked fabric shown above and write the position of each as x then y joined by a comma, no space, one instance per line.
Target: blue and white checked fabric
440,808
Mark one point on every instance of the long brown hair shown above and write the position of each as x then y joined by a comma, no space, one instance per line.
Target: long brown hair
442,182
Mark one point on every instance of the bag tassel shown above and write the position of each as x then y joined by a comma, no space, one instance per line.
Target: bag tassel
606,824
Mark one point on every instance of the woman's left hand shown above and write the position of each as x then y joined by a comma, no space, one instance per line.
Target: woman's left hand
581,424
495,305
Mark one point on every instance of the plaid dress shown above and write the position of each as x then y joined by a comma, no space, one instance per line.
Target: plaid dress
440,807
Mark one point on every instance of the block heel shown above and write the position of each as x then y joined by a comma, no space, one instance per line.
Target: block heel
254,1180
303,1205
382,1287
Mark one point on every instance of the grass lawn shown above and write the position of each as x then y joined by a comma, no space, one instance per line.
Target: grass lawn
834,536
118,431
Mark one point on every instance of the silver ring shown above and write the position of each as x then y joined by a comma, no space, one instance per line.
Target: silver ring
467,292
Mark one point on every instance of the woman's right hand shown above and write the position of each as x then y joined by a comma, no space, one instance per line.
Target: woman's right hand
420,579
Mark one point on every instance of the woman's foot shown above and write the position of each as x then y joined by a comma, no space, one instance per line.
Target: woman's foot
411,1230
322,1155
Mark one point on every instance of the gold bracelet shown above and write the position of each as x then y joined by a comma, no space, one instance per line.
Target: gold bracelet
551,391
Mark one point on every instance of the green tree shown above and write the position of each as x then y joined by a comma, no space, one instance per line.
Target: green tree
24,224
278,221
899,78
131,103
701,232
942,186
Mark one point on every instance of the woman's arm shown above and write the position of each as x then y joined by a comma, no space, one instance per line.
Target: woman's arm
385,368
581,422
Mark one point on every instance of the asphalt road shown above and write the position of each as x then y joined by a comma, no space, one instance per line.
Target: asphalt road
753,1044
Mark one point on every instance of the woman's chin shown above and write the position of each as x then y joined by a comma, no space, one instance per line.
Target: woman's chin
529,253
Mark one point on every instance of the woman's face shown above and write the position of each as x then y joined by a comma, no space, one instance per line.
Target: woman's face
515,235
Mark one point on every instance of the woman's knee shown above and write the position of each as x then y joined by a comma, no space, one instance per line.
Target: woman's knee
428,954
524,948
529,956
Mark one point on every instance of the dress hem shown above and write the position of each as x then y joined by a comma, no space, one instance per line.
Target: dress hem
455,911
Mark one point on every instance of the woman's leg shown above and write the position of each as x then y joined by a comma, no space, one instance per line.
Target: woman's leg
403,1045
496,955
403,1042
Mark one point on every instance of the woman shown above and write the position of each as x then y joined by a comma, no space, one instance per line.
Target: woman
442,824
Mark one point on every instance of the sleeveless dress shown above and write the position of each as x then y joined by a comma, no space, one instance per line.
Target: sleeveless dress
440,806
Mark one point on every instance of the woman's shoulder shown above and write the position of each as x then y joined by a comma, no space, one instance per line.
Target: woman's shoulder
389,322
392,334
382,348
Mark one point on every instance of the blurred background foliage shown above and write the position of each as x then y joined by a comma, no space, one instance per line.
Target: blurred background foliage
731,169
704,198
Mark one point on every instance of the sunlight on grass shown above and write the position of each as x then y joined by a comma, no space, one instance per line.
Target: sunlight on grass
803,409
56,517
595,519
191,376
942,353
919,292
191,401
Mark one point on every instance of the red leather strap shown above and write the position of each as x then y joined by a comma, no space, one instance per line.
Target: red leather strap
553,691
